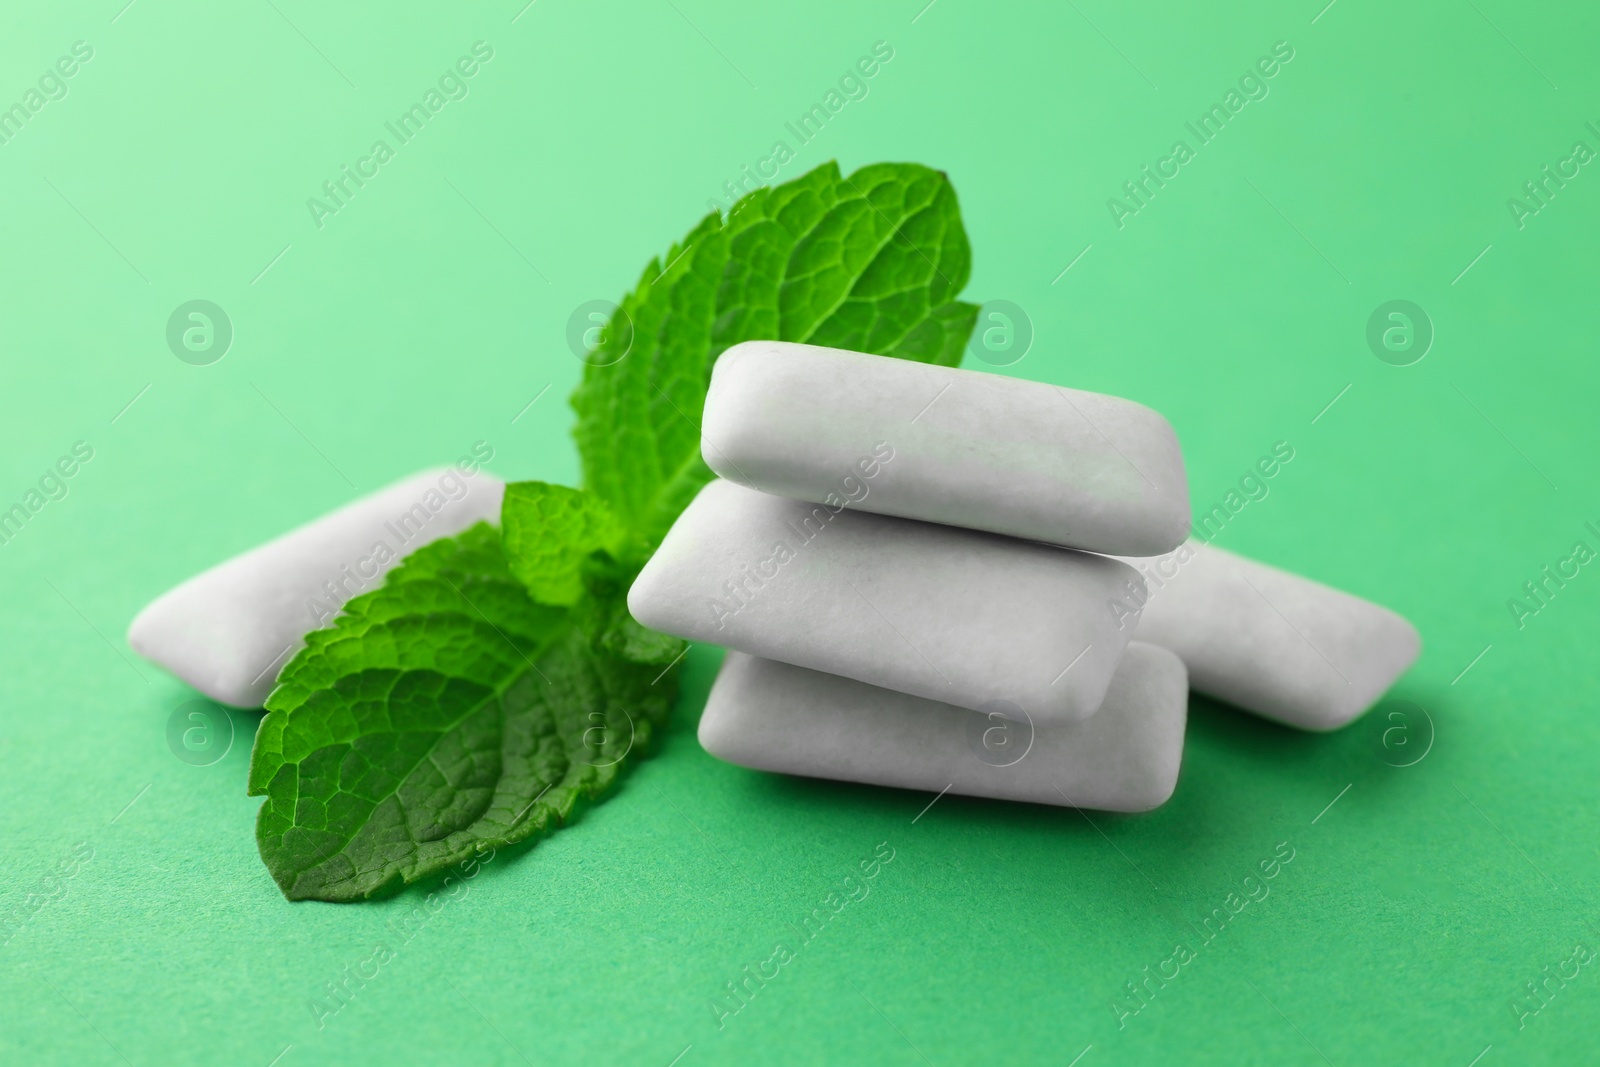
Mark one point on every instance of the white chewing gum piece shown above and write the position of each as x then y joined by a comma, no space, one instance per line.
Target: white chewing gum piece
771,716
1272,642
229,630
969,448
960,616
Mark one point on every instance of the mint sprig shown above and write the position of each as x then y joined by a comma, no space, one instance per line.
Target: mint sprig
495,678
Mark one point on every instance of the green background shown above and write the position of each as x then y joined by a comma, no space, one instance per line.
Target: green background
434,307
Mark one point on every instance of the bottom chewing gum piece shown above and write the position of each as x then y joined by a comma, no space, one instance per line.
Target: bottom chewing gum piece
773,716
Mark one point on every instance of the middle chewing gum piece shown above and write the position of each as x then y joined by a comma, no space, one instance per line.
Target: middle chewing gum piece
954,615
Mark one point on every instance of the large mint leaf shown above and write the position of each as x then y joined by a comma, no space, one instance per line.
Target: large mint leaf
872,262
443,713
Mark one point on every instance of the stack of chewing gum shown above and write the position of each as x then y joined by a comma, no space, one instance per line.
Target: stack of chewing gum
941,579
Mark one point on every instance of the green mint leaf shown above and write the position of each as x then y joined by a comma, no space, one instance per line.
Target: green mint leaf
871,262
549,531
444,713
495,679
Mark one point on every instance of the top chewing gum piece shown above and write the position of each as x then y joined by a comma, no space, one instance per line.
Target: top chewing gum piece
972,449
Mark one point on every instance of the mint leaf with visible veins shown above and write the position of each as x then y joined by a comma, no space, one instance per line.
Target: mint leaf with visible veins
444,713
495,678
872,262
